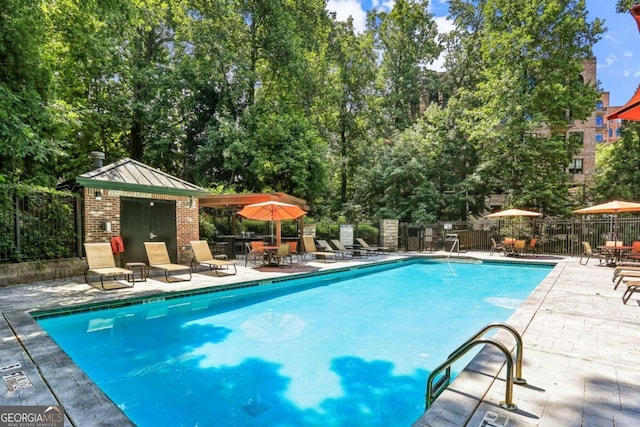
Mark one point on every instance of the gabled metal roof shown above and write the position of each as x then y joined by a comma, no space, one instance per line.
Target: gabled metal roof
131,175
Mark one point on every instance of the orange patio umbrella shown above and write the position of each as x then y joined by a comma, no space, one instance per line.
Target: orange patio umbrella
613,207
272,211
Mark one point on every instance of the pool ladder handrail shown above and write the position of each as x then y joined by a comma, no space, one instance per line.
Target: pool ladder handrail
434,390
456,242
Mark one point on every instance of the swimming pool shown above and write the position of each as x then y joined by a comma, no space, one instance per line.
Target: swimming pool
339,349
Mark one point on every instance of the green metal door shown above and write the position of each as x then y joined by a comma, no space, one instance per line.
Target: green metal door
147,220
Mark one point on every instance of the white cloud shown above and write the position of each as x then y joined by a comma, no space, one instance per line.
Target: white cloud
444,26
383,5
609,61
346,8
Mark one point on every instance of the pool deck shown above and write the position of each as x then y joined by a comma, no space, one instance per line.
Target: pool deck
581,350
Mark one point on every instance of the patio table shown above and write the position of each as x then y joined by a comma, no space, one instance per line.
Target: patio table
614,253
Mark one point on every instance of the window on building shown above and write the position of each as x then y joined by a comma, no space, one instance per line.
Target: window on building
610,132
576,138
618,133
599,137
599,105
599,121
575,168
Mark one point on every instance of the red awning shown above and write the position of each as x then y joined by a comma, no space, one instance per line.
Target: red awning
630,110
635,12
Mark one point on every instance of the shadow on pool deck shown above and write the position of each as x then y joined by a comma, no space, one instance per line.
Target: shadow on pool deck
581,347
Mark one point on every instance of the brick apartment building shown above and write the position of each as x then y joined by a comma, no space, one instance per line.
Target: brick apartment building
595,130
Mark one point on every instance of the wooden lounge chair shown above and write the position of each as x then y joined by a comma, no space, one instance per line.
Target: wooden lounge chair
159,260
100,261
310,248
202,256
372,249
351,252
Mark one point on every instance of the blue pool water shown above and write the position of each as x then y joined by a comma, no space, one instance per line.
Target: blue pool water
348,349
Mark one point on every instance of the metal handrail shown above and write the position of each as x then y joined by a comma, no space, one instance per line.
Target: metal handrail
433,391
518,377
455,242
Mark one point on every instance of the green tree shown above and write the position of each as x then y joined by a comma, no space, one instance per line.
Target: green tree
406,37
31,118
349,89
618,167
258,96
407,176
623,6
528,89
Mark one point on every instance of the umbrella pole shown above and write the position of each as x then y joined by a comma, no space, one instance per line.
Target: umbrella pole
278,232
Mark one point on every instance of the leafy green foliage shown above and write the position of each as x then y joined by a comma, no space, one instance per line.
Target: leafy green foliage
618,167
265,95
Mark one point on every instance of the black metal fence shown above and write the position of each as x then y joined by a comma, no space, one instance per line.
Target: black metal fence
555,236
37,225
46,225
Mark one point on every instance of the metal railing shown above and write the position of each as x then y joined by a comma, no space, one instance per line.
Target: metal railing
555,236
435,389
38,226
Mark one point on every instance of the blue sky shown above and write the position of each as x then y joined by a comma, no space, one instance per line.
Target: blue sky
617,53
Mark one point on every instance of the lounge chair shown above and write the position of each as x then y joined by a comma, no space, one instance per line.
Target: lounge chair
310,248
588,253
323,245
633,286
372,249
100,261
202,256
352,252
159,260
625,274
496,247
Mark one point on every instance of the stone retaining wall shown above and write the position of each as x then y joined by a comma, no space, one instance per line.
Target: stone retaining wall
35,271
